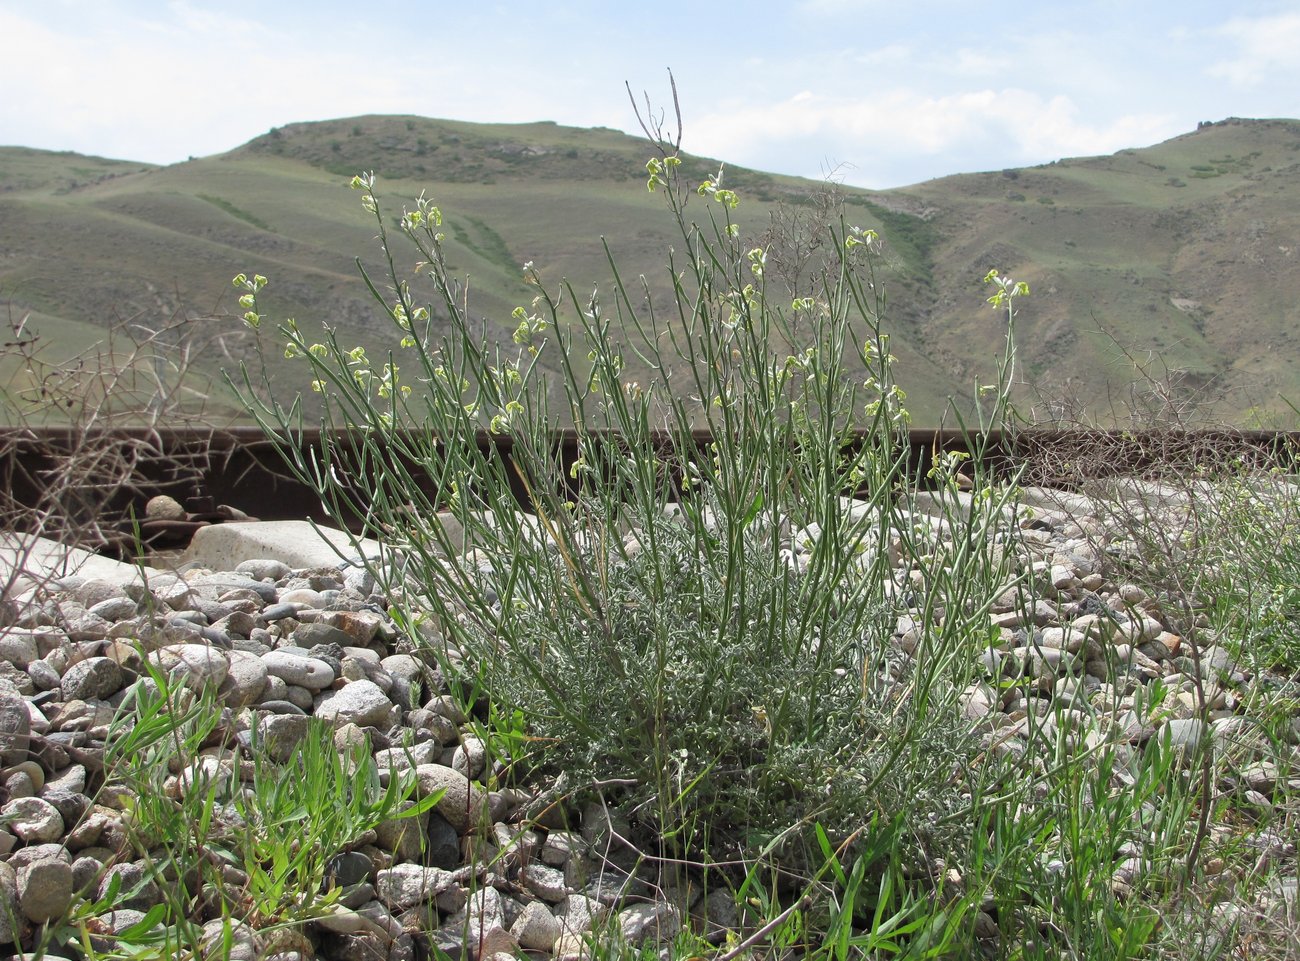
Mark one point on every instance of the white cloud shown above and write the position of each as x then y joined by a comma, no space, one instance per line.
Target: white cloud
975,63
893,129
1265,47
158,89
893,54
821,8
192,20
895,91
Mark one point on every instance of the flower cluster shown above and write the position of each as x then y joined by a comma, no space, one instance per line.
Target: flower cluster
248,300
658,170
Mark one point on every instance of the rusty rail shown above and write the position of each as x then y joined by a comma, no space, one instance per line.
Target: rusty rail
240,467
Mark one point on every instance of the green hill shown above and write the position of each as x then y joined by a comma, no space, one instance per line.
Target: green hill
1187,248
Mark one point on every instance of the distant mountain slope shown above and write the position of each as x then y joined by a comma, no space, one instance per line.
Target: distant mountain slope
1187,247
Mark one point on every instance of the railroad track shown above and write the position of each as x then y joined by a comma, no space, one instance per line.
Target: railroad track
219,473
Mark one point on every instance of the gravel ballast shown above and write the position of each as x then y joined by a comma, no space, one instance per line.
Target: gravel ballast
280,644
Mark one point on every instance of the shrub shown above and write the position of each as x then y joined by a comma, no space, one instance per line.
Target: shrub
708,626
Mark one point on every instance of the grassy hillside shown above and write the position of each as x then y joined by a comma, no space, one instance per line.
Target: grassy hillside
1183,254
1186,248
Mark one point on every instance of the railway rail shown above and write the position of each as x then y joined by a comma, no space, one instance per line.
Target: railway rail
221,473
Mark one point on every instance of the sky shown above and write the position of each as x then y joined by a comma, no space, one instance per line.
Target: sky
874,93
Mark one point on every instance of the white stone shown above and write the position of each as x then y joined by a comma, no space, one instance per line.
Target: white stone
34,820
545,882
406,885
361,702
299,544
656,922
27,561
298,670
195,665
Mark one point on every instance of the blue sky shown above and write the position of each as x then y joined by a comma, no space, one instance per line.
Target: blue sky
877,93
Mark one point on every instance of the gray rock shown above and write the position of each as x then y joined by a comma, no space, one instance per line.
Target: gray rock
1216,660
115,608
536,928
462,805
303,597
276,688
101,827
332,655
361,626
33,819
407,757
176,631
560,846
406,885
442,730
210,610
15,729
195,665
279,611
381,916
720,909
71,805
44,851
164,508
24,780
470,757
245,680
1185,734
484,915
81,625
446,706
442,846
71,778
235,624
85,872
361,703
246,944
359,895
365,660
345,921
264,569
92,591
404,666
977,701
400,691
137,889
44,676
349,869
165,591
19,784
360,580
94,678
577,913
545,882
656,922
216,585
9,910
298,669
281,706
317,634
279,734
45,889
404,837
300,696
19,648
